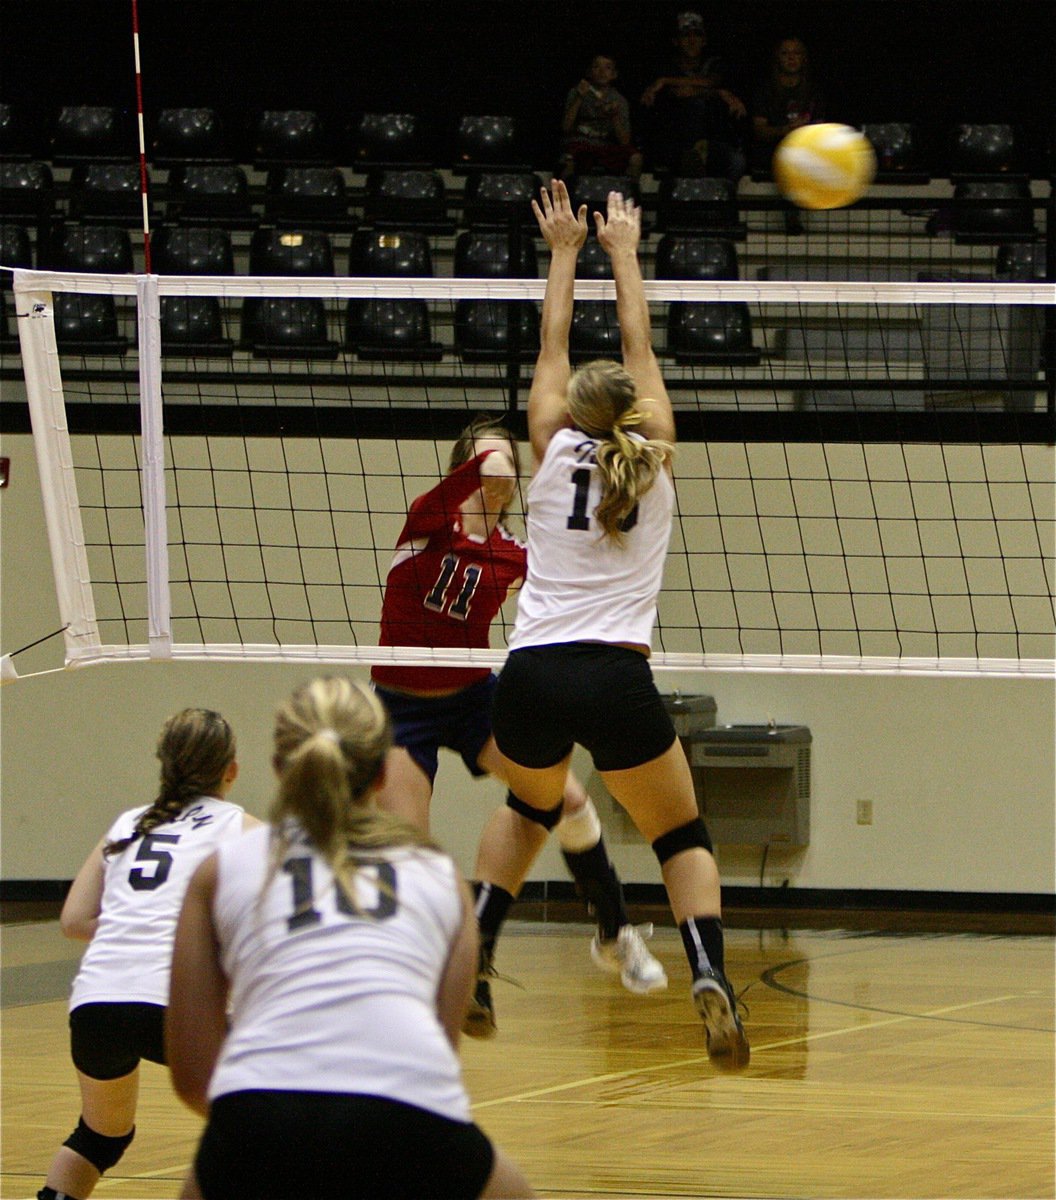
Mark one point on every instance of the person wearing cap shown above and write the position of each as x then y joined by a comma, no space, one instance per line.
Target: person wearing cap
698,128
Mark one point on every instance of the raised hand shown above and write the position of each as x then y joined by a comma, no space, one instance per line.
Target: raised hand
561,227
621,228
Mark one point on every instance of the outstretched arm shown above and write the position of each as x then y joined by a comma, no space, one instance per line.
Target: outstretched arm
435,509
620,231
565,232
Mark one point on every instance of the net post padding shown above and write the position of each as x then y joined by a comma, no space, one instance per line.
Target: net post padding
159,608
51,441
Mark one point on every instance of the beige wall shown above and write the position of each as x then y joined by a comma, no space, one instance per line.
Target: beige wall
960,771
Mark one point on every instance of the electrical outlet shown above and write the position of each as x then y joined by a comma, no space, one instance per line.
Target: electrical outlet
865,812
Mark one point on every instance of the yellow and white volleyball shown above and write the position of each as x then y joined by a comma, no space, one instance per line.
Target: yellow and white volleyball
824,166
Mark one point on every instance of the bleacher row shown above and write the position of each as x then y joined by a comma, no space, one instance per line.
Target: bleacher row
406,217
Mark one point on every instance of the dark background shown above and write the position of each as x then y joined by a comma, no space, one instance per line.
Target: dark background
935,62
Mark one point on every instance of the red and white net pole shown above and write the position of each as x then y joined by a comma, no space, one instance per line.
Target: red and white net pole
142,140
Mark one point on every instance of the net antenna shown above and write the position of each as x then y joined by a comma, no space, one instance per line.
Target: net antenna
143,187
252,517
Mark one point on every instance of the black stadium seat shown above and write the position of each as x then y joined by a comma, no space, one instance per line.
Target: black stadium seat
107,192
188,135
92,133
595,329
992,211
397,329
210,192
289,137
487,142
704,330
485,330
495,198
27,190
391,139
982,150
288,326
697,204
898,152
193,325
85,323
407,199
317,195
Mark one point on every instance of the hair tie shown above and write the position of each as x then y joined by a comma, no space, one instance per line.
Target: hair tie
628,419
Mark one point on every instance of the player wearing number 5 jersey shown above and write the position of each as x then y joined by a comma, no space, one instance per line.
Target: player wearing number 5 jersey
343,943
454,565
125,902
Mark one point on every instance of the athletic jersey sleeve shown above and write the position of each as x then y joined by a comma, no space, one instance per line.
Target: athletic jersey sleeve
437,508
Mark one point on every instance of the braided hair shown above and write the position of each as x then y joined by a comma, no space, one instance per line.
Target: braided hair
195,748
602,401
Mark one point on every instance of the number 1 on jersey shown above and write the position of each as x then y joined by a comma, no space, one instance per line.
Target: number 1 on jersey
578,518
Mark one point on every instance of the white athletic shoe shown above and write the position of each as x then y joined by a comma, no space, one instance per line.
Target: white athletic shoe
626,953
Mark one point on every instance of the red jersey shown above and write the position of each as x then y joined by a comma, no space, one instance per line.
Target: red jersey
445,588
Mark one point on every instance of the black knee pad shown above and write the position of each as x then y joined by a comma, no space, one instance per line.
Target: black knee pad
685,837
547,817
101,1151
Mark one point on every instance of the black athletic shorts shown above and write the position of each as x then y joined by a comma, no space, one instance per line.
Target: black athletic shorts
601,697
108,1040
272,1145
459,722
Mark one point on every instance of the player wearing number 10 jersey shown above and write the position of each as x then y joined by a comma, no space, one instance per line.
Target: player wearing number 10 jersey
345,944
125,903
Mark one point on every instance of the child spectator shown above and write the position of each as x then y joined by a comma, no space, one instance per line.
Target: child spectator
597,126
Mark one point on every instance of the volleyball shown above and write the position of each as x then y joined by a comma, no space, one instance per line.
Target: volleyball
824,166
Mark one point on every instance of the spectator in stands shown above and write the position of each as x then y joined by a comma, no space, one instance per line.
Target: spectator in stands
788,99
699,124
597,126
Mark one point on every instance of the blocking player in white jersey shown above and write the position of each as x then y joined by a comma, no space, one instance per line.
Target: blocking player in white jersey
125,902
599,521
344,944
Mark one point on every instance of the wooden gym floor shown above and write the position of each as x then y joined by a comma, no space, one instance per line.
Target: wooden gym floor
883,1065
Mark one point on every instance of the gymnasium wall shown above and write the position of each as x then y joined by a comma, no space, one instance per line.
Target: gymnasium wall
960,772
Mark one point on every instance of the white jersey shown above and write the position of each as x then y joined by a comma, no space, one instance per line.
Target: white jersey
130,954
581,585
326,998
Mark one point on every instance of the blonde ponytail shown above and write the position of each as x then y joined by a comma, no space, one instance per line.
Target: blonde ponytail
331,740
602,401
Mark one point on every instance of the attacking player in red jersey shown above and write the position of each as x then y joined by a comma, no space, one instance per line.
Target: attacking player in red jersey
455,564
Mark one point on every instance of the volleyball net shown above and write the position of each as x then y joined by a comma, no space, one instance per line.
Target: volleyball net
864,483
